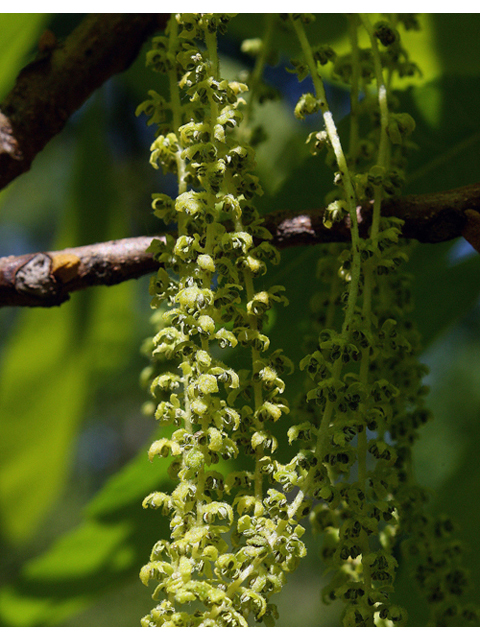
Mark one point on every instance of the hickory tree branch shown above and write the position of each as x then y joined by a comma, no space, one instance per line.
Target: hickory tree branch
47,278
63,75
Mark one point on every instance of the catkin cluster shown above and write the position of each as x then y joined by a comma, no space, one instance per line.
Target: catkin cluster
365,382
367,398
231,540
235,535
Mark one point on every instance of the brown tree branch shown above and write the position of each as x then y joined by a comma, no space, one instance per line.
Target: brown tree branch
430,218
52,87
47,279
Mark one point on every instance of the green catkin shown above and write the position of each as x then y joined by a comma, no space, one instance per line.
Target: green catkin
363,513
202,580
235,536
357,514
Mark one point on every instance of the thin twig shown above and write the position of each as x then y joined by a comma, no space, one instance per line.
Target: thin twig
47,279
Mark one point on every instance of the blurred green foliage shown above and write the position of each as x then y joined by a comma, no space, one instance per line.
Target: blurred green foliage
73,464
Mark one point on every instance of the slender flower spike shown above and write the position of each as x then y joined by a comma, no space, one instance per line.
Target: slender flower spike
211,306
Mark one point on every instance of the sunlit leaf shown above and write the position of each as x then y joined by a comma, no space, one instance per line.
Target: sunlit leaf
42,395
112,542
48,367
20,32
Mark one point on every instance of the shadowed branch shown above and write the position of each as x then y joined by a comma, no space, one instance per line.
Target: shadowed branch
52,87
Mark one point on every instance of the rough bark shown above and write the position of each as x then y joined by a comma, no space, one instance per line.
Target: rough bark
46,279
52,87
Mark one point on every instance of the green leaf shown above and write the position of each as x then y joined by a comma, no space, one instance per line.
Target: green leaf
459,56
34,600
107,549
49,364
42,395
20,32
447,134
446,456
112,543
444,292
